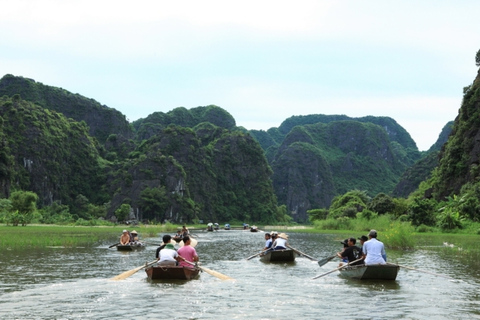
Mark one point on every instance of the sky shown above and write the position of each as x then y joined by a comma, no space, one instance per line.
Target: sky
262,61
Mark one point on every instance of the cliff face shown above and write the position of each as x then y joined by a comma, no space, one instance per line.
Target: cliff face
422,169
460,156
101,120
52,156
316,161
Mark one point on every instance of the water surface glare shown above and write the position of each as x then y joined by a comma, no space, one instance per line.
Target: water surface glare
74,283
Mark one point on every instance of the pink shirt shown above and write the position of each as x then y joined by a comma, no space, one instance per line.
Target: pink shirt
188,252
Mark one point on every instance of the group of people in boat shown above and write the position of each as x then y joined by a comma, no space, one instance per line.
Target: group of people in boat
181,233
372,251
168,256
275,241
129,238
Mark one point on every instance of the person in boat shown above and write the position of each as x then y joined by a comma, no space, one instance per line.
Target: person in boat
350,253
280,242
339,254
210,226
166,239
185,231
374,250
188,252
362,241
168,256
134,237
268,241
124,238
274,235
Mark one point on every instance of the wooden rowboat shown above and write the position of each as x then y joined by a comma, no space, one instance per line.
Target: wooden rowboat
374,271
131,247
278,256
171,273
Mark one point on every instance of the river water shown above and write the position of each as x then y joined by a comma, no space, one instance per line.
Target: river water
66,283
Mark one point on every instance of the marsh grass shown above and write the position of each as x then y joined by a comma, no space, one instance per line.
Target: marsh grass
41,236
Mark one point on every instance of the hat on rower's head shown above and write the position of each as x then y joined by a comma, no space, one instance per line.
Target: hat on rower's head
372,233
170,246
283,236
134,232
363,238
124,231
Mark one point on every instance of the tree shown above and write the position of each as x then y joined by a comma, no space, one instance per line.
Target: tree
24,204
477,59
122,212
154,203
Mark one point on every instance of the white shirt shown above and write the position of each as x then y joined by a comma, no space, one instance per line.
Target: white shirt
168,255
374,250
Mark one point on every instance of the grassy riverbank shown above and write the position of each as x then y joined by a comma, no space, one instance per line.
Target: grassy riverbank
41,236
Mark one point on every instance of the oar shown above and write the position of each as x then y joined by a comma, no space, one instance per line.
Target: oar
211,272
128,273
114,245
256,254
302,254
345,265
325,260
435,274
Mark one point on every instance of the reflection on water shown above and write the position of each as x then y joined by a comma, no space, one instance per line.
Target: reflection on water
75,284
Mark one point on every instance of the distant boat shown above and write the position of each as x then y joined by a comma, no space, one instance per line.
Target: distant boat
373,271
210,227
171,273
227,226
278,256
254,229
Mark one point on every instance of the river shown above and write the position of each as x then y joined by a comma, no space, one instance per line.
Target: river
74,283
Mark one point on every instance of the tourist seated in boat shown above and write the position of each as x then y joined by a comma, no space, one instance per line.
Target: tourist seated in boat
268,241
345,245
362,241
169,257
166,239
185,232
188,252
124,238
280,242
374,250
210,226
350,253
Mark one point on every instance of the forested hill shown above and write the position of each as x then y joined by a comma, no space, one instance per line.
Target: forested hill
102,120
317,157
459,170
188,164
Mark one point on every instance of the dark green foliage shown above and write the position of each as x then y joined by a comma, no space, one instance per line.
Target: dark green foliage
317,214
152,201
56,214
23,205
422,211
382,204
477,59
348,204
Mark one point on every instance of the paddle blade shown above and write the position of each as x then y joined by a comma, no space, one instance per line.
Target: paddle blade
216,274
325,260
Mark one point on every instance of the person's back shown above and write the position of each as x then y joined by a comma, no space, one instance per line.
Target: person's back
373,250
188,253
166,239
168,256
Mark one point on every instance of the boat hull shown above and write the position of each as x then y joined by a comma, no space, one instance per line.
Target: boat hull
376,272
129,247
171,273
278,256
